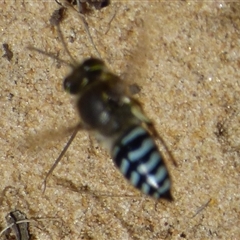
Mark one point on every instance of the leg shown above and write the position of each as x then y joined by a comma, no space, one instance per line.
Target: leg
77,128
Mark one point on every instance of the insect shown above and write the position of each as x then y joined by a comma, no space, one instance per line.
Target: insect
18,223
118,120
82,4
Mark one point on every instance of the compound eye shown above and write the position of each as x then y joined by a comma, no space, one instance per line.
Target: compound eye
71,87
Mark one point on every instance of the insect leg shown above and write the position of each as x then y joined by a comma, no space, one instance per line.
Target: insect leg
65,45
79,126
138,112
155,133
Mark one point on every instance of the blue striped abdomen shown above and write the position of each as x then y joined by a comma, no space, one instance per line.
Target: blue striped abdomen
140,161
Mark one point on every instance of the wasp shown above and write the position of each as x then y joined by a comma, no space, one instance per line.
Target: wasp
118,120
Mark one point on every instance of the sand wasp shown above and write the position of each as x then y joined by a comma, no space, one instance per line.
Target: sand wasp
119,122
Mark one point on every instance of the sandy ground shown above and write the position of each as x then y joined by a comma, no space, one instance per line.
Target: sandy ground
185,56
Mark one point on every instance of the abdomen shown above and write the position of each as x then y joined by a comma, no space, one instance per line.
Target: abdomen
138,158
